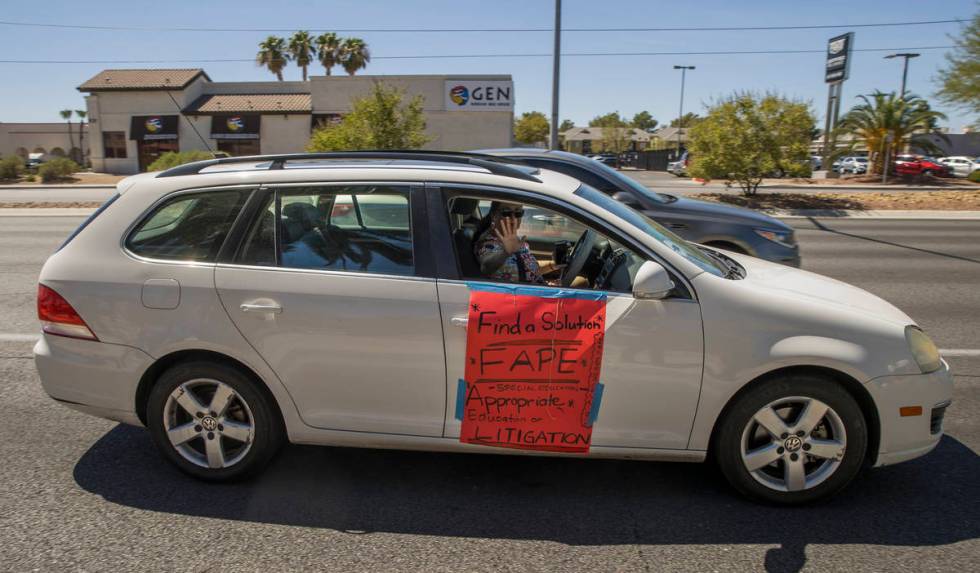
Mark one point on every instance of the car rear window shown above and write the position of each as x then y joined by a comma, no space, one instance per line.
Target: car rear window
189,227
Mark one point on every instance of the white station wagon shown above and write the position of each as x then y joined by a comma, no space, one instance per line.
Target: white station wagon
233,304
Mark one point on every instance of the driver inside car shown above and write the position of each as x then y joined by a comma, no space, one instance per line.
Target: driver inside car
505,256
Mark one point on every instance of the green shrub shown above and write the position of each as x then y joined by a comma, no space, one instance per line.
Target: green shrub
11,167
175,158
975,176
57,169
31,178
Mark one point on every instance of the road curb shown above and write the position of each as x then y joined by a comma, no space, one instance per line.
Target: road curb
872,214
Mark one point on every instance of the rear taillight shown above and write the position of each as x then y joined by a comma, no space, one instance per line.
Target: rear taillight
58,317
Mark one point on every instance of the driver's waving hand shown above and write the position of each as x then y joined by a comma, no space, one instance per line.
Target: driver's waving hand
503,254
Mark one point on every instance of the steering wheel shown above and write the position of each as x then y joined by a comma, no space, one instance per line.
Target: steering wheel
579,257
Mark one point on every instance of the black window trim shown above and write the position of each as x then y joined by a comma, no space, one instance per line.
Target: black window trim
149,211
418,221
447,262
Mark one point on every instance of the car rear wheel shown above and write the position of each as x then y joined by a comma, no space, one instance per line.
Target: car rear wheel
212,421
792,440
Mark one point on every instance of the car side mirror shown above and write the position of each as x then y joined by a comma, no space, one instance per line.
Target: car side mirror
652,282
627,199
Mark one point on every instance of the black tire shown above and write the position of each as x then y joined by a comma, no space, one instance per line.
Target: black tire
928,173
267,436
727,447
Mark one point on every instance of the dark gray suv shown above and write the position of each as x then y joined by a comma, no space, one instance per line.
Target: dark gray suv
712,224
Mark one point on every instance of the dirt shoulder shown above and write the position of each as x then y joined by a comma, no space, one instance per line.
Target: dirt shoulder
960,200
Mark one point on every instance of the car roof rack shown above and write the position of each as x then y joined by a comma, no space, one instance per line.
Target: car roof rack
493,164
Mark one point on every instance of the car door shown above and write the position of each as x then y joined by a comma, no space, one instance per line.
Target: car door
653,349
333,288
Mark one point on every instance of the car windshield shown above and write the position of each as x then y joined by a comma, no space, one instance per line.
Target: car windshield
633,184
653,229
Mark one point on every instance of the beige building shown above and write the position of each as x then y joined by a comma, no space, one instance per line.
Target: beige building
136,115
588,140
49,139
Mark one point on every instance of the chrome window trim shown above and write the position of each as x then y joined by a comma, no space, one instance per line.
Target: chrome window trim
353,274
596,224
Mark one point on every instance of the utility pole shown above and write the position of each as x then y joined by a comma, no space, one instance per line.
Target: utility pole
680,113
553,144
905,67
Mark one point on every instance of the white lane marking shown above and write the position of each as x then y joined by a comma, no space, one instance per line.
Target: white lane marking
960,352
8,337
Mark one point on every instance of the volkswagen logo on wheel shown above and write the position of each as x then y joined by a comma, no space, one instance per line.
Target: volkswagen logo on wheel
793,444
209,423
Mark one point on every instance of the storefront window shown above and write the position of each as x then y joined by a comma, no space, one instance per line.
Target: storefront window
239,147
114,144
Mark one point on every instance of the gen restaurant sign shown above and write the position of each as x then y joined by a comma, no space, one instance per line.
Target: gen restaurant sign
839,58
474,95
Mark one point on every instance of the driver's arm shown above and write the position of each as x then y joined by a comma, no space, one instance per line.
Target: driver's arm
491,257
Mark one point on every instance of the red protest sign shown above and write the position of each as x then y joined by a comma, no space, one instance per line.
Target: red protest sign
533,359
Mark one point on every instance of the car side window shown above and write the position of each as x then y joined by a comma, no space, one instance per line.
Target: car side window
546,234
189,227
363,229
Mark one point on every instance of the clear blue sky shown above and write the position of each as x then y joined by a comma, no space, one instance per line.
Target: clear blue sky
590,85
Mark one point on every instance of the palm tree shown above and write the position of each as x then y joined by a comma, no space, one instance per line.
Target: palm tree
885,118
82,114
328,50
354,55
301,49
272,55
66,115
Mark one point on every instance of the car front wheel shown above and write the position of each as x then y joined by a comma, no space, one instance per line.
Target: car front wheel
212,421
792,440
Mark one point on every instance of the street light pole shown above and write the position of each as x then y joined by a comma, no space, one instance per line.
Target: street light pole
553,144
905,67
905,75
680,113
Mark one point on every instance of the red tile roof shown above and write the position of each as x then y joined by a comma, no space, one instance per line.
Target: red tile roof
254,103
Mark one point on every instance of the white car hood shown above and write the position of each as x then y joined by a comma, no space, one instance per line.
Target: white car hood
787,282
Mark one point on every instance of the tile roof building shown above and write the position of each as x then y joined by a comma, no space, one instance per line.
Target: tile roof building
138,114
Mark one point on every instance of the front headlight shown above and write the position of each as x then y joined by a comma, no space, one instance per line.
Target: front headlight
784,238
923,350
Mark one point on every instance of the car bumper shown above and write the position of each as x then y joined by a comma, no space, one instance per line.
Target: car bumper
906,437
92,377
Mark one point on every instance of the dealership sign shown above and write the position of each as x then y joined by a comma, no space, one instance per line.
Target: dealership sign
839,58
470,95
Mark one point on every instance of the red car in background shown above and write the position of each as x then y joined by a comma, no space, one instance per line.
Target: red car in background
919,165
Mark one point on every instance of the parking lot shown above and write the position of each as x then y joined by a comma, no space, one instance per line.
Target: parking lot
79,493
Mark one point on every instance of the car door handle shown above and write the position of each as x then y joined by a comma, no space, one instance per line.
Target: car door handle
254,307
460,321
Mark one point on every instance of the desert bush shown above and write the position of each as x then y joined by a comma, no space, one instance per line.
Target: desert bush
57,169
175,158
11,167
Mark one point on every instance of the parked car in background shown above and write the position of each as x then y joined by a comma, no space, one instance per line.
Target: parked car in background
855,164
606,159
679,167
920,165
221,305
34,160
959,165
835,166
816,163
722,226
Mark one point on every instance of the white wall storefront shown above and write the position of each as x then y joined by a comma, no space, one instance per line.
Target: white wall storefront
134,117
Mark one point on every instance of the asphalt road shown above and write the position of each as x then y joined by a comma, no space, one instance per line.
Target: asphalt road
79,493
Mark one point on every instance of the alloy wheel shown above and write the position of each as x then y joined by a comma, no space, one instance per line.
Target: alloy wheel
208,423
793,444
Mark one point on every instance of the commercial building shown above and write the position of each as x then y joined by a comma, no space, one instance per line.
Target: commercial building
136,115
48,139
588,140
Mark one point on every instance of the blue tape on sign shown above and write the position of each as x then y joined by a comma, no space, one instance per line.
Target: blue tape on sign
596,401
460,398
538,291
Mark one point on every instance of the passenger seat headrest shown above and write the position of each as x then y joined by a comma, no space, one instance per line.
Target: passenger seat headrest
464,206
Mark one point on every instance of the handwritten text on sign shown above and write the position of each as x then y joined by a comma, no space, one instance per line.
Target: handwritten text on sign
533,358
